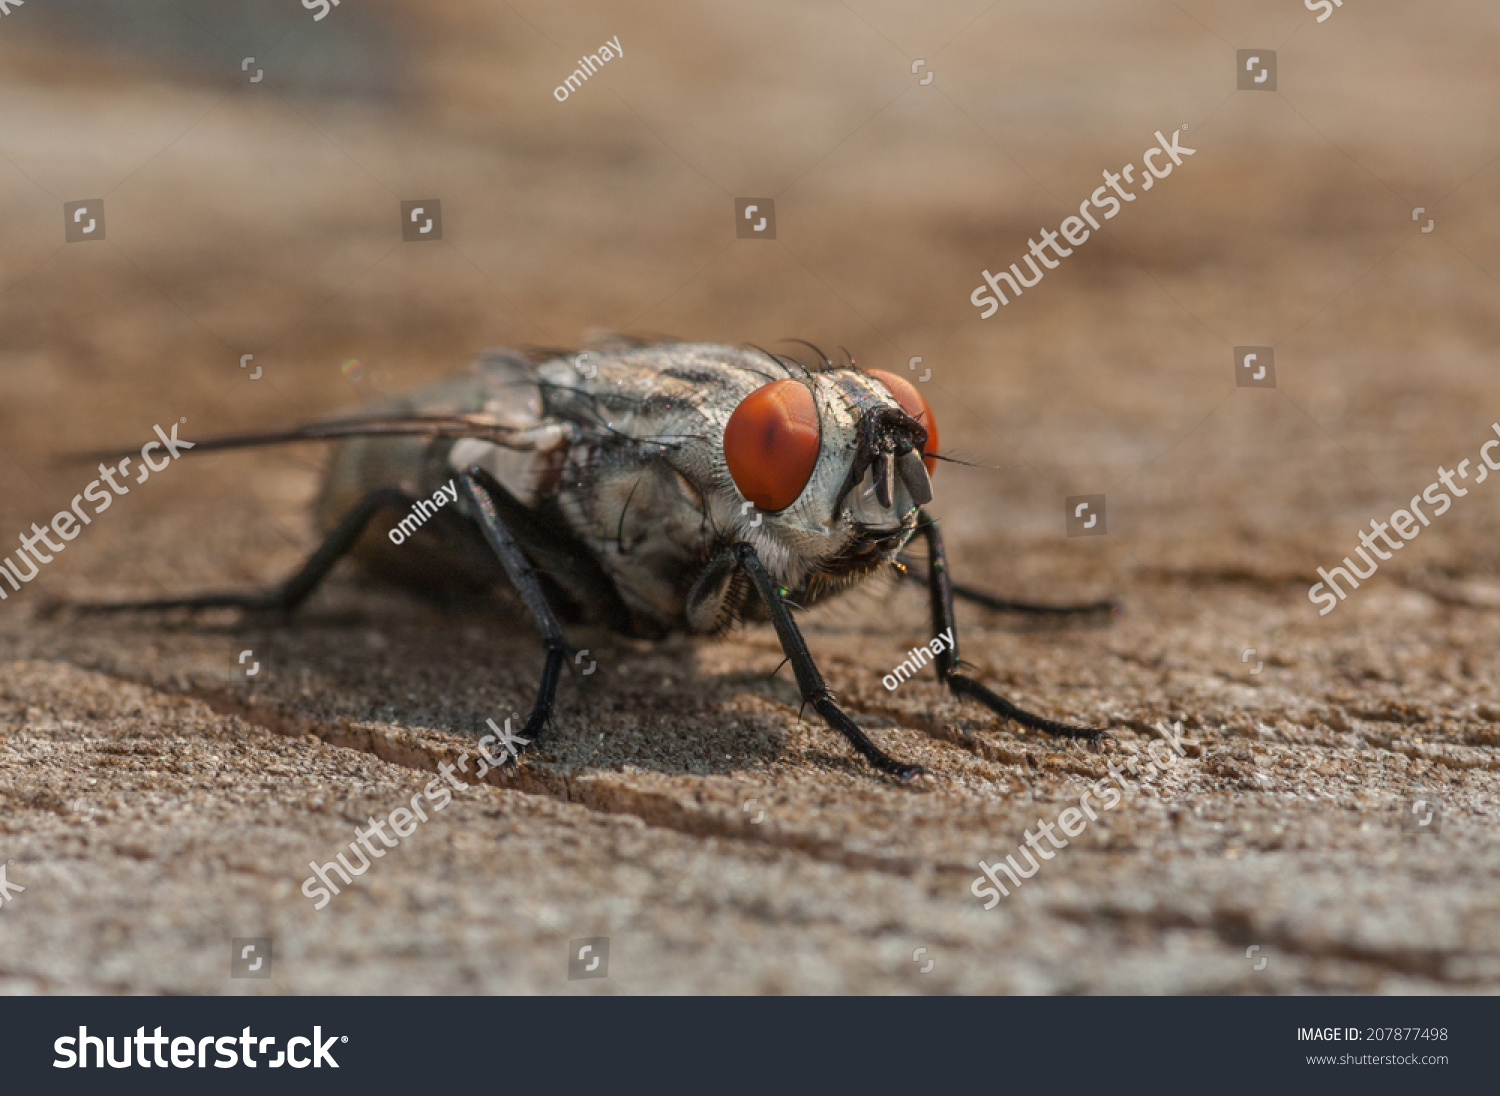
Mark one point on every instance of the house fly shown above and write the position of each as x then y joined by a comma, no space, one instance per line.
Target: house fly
652,488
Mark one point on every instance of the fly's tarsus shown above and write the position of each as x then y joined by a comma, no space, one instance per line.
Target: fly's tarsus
963,685
941,591
839,720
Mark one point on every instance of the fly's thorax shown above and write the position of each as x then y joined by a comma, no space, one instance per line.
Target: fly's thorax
664,406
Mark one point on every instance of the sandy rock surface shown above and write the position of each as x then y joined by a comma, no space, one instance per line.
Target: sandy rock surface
156,805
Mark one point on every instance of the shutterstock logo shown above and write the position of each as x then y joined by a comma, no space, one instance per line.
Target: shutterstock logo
1257,70
588,958
83,221
1085,516
422,220
1421,816
1254,367
755,219
250,957
189,1053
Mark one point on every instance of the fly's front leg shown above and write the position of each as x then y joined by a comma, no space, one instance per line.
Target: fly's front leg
940,590
809,680
481,488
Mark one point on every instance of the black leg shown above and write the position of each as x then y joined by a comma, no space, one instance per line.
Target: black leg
809,680
295,590
1031,608
940,589
481,489
909,569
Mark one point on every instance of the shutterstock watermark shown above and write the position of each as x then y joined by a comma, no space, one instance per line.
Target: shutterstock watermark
1405,525
403,821
1072,228
67,526
1074,820
1324,8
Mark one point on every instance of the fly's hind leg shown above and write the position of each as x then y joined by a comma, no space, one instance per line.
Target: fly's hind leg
940,590
814,690
1000,604
482,490
295,590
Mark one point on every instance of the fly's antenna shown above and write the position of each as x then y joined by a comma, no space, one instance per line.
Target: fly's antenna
826,363
849,357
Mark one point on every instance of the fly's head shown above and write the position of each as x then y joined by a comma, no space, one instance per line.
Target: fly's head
835,464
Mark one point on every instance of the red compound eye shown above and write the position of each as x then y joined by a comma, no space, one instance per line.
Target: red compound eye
771,444
913,404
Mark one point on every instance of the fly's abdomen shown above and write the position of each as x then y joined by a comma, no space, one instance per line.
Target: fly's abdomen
436,548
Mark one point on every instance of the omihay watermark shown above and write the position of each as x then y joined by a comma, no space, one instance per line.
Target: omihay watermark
588,64
916,658
421,510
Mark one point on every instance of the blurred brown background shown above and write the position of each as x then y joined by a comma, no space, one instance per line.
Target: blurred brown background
263,218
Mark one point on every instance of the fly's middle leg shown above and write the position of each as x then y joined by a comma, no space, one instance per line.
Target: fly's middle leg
481,490
940,590
910,570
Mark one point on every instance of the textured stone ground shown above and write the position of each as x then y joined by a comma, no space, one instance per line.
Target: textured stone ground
154,808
